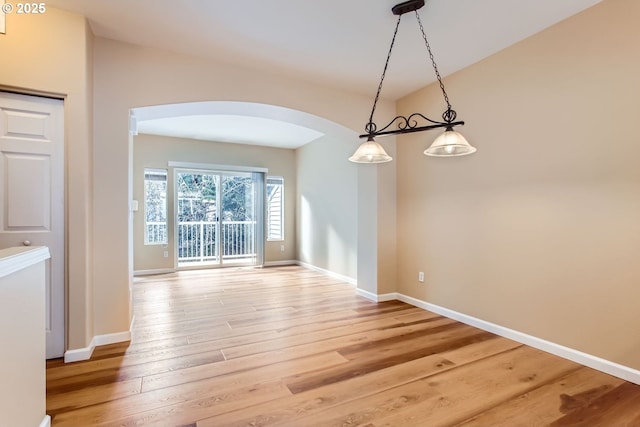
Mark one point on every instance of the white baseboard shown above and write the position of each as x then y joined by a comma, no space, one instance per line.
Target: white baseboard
112,338
603,365
347,279
152,272
387,297
376,298
368,295
79,354
280,263
46,421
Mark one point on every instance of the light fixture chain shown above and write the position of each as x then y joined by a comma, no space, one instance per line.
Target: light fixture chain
371,127
433,61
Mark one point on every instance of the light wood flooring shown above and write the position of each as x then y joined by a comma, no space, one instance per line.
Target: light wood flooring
288,346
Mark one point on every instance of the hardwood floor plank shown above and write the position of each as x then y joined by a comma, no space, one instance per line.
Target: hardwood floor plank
323,399
373,330
449,397
132,370
380,358
305,325
417,316
216,326
153,408
218,394
571,393
619,407
290,346
253,361
92,395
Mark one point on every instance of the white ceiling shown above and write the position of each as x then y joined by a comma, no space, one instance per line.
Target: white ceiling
336,43
232,128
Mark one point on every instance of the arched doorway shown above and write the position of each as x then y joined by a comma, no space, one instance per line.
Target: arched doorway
241,128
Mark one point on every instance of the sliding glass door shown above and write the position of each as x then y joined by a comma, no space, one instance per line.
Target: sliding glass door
218,218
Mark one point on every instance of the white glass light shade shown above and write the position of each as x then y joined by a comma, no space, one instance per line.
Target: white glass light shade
370,152
450,143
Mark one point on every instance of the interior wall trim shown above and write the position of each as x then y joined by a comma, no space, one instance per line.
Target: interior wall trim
152,272
349,280
46,421
216,167
79,354
617,370
368,295
280,263
376,298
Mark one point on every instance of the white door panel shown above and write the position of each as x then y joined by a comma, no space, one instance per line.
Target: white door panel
27,185
32,193
29,124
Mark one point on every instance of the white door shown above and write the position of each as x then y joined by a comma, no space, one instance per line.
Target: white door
32,193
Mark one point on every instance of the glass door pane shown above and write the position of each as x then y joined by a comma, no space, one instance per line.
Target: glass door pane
238,219
218,218
197,215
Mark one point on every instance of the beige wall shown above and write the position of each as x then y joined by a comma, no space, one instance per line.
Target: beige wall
52,54
327,213
538,231
346,216
150,151
377,220
386,226
126,77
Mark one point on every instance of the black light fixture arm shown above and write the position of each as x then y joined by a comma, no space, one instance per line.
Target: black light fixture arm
410,124
371,124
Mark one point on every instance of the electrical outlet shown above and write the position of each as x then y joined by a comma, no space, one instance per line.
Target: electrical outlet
421,276
166,254
281,248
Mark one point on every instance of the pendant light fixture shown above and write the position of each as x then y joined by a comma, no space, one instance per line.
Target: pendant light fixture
449,143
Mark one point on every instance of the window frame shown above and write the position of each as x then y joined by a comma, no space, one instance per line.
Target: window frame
156,171
281,236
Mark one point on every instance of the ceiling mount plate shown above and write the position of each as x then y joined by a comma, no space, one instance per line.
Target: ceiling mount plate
407,6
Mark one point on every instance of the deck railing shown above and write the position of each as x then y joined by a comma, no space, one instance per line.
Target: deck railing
156,232
198,242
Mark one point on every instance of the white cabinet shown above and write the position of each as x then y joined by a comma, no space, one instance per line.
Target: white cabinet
22,334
